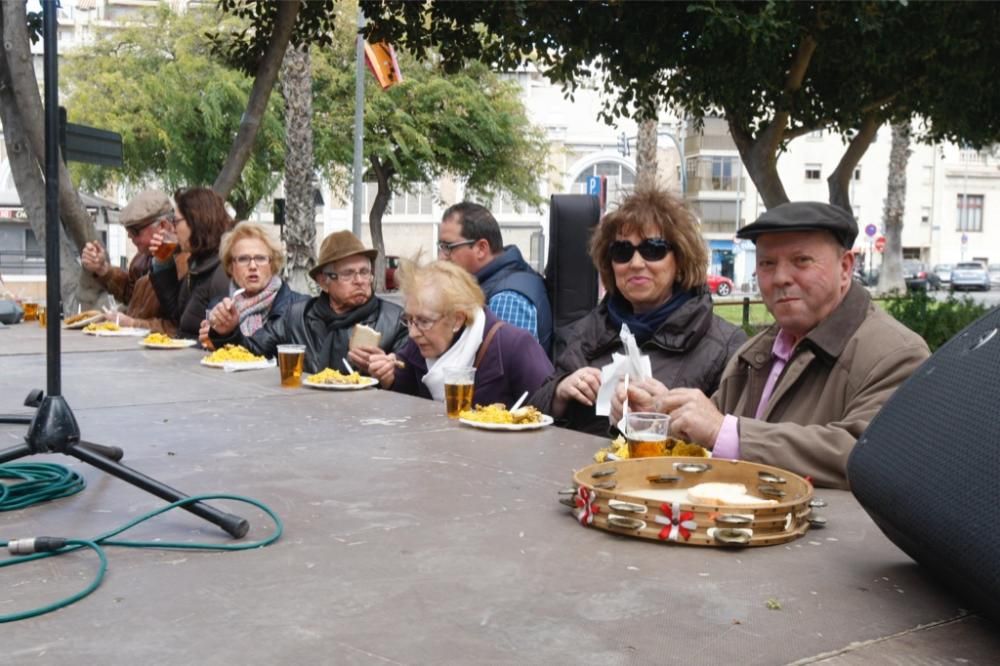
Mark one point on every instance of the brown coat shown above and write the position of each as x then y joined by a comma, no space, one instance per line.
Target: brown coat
134,288
837,379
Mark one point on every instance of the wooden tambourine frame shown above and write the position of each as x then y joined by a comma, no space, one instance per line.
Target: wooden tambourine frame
609,496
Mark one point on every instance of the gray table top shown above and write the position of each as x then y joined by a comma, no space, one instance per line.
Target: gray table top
413,539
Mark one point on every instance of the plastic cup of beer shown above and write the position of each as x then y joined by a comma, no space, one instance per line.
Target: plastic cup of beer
290,360
168,243
646,434
30,310
458,383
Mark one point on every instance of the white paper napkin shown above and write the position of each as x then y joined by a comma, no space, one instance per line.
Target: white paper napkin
633,363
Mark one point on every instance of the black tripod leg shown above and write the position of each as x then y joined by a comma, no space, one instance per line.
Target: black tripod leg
112,452
15,418
231,523
15,452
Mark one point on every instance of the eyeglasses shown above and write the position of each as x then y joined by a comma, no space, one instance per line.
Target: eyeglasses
259,259
348,276
446,248
420,323
651,249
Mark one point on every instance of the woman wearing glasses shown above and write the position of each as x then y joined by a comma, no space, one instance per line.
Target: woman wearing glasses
200,220
449,327
652,261
257,294
324,323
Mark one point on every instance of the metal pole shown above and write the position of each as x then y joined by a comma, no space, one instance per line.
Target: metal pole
963,216
359,127
52,272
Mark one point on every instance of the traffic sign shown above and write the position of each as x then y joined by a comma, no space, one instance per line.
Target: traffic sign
880,243
594,185
871,230
965,239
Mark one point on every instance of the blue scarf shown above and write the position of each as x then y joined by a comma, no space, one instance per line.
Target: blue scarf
645,325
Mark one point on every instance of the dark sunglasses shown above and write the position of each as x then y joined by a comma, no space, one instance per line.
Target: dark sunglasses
651,249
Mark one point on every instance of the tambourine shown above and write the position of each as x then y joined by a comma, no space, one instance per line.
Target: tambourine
648,498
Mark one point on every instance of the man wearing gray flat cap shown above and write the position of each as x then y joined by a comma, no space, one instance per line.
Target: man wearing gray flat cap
799,394
148,212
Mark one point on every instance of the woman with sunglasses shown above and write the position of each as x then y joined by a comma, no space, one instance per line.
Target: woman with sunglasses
200,220
652,260
449,327
257,294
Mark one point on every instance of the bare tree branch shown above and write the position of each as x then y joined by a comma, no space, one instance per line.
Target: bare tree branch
74,215
267,74
840,179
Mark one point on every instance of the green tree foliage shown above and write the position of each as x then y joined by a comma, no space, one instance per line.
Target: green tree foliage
176,105
936,322
775,70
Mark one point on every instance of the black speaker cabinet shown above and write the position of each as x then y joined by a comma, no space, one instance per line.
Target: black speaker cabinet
927,469
570,277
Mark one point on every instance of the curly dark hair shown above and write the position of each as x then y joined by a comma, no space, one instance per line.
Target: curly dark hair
676,224
206,215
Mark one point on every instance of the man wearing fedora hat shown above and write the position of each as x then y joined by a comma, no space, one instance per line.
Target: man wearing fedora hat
324,323
150,211
799,394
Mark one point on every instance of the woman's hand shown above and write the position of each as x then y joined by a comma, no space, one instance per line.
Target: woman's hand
95,259
382,367
580,386
224,318
122,320
360,357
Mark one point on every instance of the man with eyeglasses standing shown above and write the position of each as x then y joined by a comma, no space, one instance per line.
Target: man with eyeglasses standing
324,324
147,213
470,237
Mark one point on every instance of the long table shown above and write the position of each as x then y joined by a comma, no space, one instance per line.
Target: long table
413,539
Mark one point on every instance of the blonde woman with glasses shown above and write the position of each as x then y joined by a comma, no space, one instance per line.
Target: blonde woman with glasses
449,328
257,294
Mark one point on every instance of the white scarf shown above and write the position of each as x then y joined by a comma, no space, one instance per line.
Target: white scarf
461,354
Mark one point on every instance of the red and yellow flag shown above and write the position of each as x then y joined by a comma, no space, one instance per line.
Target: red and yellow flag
381,60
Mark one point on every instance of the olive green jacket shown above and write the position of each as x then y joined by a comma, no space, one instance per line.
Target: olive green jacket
837,379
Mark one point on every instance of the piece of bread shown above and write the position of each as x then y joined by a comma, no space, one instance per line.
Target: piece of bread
725,494
86,314
364,336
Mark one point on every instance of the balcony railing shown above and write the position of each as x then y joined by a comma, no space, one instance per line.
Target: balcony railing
713,183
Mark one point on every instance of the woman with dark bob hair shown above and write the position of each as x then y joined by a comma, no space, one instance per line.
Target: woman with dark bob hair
652,260
200,219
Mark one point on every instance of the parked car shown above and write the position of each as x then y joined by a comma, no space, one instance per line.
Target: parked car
994,270
943,271
970,275
391,265
917,277
720,285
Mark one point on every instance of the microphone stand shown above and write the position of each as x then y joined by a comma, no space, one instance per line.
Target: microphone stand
54,429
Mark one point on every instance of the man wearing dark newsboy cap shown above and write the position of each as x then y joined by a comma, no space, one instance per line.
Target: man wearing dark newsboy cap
150,211
325,323
798,394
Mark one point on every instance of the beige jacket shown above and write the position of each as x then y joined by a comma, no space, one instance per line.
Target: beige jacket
837,379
